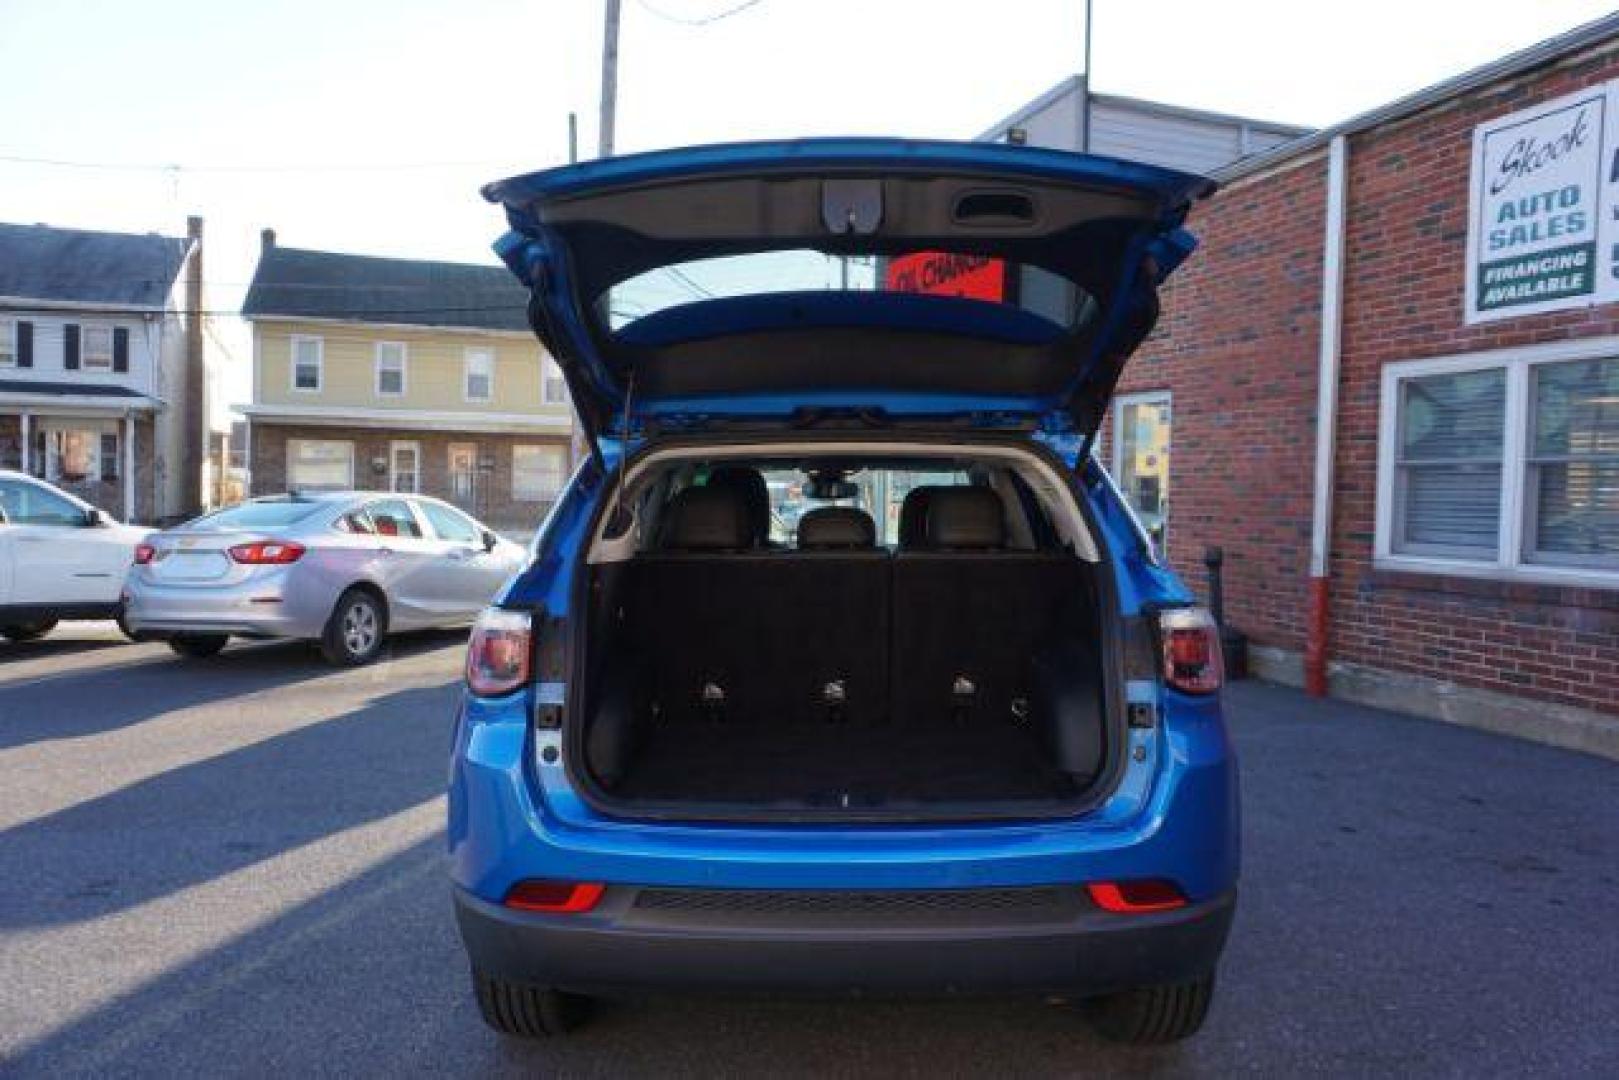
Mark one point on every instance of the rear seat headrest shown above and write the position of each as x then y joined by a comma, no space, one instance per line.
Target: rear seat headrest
706,519
836,528
913,516
750,484
965,518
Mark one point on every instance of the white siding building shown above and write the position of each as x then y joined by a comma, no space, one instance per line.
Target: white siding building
1122,127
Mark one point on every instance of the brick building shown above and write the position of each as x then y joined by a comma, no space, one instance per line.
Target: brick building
1417,493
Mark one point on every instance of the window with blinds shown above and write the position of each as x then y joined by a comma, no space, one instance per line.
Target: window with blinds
1448,472
1572,494
1511,465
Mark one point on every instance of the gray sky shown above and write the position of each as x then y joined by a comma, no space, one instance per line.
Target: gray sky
368,125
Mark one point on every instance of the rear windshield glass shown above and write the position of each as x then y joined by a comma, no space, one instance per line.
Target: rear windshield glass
259,515
938,273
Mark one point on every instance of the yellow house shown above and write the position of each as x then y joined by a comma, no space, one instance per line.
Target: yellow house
402,375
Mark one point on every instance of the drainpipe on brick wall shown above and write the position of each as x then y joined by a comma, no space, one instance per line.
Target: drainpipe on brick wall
1326,417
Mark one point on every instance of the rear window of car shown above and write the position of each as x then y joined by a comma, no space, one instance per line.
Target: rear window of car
271,514
959,275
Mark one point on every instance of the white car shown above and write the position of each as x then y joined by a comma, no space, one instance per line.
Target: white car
60,558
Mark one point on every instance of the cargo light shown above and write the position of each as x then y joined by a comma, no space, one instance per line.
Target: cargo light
1192,662
267,553
499,651
144,554
554,897
1136,897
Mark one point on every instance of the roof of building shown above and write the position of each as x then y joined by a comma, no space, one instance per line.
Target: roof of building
296,283
40,262
1550,51
1075,84
67,389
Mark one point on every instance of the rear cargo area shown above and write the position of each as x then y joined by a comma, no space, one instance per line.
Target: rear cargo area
863,680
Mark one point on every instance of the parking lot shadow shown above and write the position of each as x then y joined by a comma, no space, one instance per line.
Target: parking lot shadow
89,701
194,823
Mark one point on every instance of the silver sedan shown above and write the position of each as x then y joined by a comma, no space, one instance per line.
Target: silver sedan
344,569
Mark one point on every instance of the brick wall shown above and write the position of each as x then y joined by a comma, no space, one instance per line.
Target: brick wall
493,502
1237,347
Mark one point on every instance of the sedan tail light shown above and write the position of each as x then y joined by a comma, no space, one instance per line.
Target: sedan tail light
144,554
1191,650
499,651
267,552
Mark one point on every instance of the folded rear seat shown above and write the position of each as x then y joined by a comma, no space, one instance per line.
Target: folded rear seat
970,615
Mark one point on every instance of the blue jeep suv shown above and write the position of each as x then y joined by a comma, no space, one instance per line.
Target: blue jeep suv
840,666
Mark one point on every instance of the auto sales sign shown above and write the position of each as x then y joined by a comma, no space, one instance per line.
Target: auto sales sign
1541,223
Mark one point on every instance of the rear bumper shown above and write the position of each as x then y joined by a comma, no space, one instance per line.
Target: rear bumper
624,946
260,607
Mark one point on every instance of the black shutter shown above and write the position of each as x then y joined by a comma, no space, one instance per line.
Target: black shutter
120,349
25,344
70,346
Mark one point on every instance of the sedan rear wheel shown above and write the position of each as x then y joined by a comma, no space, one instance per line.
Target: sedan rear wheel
355,631
27,631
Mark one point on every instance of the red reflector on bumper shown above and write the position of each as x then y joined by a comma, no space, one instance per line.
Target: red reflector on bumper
1136,897
554,897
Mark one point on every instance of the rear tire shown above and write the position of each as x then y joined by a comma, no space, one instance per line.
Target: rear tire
198,646
527,1012
28,631
1153,1014
354,634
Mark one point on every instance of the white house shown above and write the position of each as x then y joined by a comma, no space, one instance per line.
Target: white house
101,376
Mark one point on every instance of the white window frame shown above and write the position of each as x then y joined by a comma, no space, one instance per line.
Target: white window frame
560,453
548,368
320,364
415,449
89,361
8,342
467,355
1116,455
291,457
377,368
1509,563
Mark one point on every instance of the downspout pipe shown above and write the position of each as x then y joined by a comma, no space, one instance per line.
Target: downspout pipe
1326,418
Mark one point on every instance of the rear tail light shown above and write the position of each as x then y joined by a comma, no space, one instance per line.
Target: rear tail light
1136,897
498,652
144,554
267,552
554,897
1191,648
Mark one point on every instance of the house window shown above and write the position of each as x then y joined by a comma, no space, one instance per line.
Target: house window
555,388
390,369
96,348
1141,428
308,363
480,374
536,473
80,455
320,464
1504,464
8,342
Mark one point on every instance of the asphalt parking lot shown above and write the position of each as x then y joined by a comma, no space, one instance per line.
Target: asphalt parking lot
235,867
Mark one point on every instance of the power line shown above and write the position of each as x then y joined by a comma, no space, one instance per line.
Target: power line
705,20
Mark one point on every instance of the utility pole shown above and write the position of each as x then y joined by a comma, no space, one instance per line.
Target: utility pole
610,78
1085,88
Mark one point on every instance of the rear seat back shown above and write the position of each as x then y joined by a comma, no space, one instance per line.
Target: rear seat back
970,615
731,632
